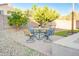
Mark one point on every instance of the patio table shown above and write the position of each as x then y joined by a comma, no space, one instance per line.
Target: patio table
40,31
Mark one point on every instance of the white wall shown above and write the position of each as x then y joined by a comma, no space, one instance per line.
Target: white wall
64,24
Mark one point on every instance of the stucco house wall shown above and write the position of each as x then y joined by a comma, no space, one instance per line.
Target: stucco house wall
3,15
5,7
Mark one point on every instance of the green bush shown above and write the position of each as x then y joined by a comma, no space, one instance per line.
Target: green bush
17,18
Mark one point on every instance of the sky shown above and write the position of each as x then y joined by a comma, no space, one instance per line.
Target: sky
62,8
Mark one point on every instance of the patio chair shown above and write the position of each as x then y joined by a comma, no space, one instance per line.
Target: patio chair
49,33
30,34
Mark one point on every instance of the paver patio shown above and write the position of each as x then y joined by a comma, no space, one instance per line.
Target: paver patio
39,45
14,43
8,47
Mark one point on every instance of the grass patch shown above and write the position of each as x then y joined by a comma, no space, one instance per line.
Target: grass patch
65,33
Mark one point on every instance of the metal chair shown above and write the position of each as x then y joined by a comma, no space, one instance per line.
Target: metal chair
49,32
29,32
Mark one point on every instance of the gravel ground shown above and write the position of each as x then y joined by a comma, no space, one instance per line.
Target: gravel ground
8,47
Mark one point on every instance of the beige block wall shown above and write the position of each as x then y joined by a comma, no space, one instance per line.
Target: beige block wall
3,22
64,24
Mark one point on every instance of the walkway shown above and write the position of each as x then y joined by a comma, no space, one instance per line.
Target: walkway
68,46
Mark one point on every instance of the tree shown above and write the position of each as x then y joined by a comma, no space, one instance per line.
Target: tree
44,15
28,12
34,7
17,18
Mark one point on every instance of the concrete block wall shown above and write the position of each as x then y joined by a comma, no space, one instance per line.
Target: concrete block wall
3,22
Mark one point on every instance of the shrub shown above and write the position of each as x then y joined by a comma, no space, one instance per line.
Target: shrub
17,18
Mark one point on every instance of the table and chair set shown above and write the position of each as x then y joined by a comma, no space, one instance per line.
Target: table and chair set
39,33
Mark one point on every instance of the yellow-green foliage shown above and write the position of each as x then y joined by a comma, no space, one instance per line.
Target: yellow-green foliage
17,18
44,15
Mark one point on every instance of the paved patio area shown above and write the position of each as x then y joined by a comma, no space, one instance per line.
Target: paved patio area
38,45
14,44
9,47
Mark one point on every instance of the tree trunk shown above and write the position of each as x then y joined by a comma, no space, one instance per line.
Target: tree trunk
17,27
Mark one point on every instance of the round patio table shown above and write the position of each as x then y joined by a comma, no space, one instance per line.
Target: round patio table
40,31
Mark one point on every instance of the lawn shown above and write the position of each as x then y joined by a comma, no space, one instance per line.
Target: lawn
65,33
